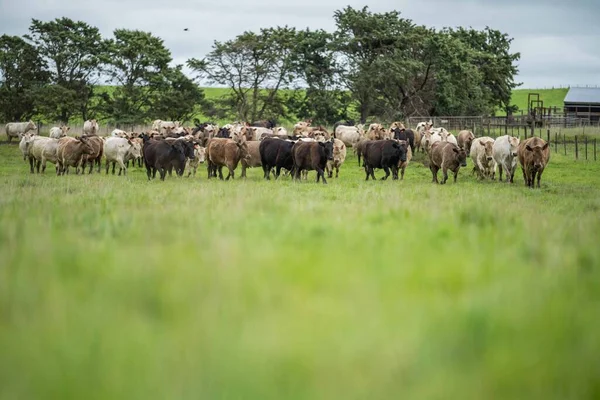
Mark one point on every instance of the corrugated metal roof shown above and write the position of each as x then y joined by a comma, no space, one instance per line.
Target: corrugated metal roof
583,95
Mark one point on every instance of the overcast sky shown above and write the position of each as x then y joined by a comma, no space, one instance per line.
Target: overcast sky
557,39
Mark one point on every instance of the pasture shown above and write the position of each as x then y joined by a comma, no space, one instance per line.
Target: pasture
116,287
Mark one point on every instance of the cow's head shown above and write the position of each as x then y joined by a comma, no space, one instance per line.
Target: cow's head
460,154
537,154
200,153
86,145
135,149
487,148
328,147
401,149
513,142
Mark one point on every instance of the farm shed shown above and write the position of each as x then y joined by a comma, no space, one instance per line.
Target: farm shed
582,102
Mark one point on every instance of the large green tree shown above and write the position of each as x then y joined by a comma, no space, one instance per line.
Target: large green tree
136,63
179,97
318,95
73,51
255,66
22,75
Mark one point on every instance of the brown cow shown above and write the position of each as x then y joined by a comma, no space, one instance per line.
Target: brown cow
403,164
254,157
534,155
70,152
96,157
309,156
446,156
222,152
464,139
339,156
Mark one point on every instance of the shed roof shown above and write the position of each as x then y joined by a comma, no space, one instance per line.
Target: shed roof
583,95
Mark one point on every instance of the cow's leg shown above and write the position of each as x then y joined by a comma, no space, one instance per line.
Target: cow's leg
395,173
337,171
387,173
402,172
163,172
123,167
539,177
107,165
43,164
445,174
456,174
321,173
148,172
154,172
243,171
372,171
220,169
38,164
500,172
31,162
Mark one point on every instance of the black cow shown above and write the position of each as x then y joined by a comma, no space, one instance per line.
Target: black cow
383,154
310,156
269,124
405,134
162,155
275,153
188,149
223,133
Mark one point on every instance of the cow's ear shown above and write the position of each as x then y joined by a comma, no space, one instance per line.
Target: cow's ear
456,150
481,143
528,147
544,147
321,144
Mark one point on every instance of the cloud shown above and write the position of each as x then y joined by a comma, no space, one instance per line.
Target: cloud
555,38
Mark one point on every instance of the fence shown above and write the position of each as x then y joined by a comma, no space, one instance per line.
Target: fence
103,129
580,142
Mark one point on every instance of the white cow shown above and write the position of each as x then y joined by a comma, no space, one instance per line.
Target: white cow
15,129
119,151
90,127
504,152
160,125
25,144
349,135
118,133
450,138
482,156
200,157
44,149
339,156
59,131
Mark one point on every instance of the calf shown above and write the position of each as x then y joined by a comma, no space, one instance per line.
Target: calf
199,158
308,156
446,156
482,156
339,156
534,155
71,151
275,153
359,148
403,164
225,153
386,155
119,151
504,152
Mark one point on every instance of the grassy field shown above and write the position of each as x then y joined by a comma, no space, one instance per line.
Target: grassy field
551,98
116,287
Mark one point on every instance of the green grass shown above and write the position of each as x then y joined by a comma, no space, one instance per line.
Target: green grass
551,98
116,287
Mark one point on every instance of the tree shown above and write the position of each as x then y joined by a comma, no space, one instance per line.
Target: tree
318,94
22,75
255,66
137,63
72,50
178,99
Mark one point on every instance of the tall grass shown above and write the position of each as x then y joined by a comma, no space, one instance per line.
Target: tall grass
116,287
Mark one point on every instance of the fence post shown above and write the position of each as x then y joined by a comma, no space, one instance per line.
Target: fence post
576,149
548,135
594,149
474,124
585,140
565,143
489,128
533,129
556,142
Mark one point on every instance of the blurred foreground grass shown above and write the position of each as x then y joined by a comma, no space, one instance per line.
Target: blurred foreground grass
115,287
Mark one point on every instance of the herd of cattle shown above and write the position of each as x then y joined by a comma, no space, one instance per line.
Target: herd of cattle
168,146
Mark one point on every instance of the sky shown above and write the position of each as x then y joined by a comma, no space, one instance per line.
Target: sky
557,39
